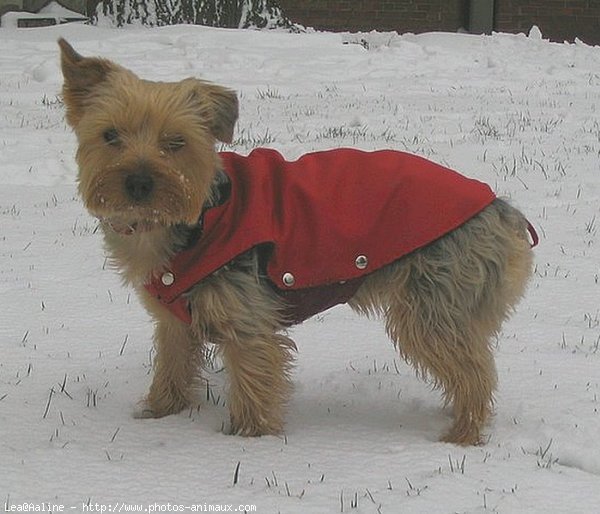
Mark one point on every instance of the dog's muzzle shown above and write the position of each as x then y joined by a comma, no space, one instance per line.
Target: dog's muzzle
139,186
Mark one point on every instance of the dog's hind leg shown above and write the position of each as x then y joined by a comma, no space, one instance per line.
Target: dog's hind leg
456,357
444,303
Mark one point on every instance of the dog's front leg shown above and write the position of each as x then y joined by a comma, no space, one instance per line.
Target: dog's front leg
259,368
233,310
177,365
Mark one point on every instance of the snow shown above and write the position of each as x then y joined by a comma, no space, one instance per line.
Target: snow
50,10
56,9
362,431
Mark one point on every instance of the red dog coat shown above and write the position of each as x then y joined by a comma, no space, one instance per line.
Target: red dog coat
329,219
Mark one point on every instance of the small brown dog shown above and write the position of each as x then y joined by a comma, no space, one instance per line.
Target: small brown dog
149,171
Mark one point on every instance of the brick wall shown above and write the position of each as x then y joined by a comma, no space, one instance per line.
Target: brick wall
366,15
558,20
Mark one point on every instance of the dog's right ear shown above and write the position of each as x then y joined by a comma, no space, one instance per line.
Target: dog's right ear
82,75
217,105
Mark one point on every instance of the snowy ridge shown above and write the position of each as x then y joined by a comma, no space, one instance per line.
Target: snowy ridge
515,111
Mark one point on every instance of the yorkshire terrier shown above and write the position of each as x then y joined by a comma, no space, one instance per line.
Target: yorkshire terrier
230,250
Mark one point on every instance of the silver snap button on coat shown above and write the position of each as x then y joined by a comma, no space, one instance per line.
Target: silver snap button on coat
288,279
168,279
361,262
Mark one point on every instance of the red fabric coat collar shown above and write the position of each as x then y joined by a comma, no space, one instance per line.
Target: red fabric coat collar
330,217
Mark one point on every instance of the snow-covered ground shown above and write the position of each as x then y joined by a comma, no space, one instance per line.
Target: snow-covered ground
75,353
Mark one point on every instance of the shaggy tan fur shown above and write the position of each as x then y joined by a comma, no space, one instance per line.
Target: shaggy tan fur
442,305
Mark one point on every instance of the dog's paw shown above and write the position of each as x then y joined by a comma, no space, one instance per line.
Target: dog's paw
143,411
148,408
464,437
254,427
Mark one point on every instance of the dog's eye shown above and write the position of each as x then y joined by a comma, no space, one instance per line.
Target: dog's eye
111,136
175,143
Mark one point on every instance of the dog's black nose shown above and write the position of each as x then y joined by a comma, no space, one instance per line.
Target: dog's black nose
139,186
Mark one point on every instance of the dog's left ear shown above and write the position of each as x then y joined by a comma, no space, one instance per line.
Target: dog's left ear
82,75
218,104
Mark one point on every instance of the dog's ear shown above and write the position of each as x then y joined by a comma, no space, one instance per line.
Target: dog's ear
82,75
218,104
